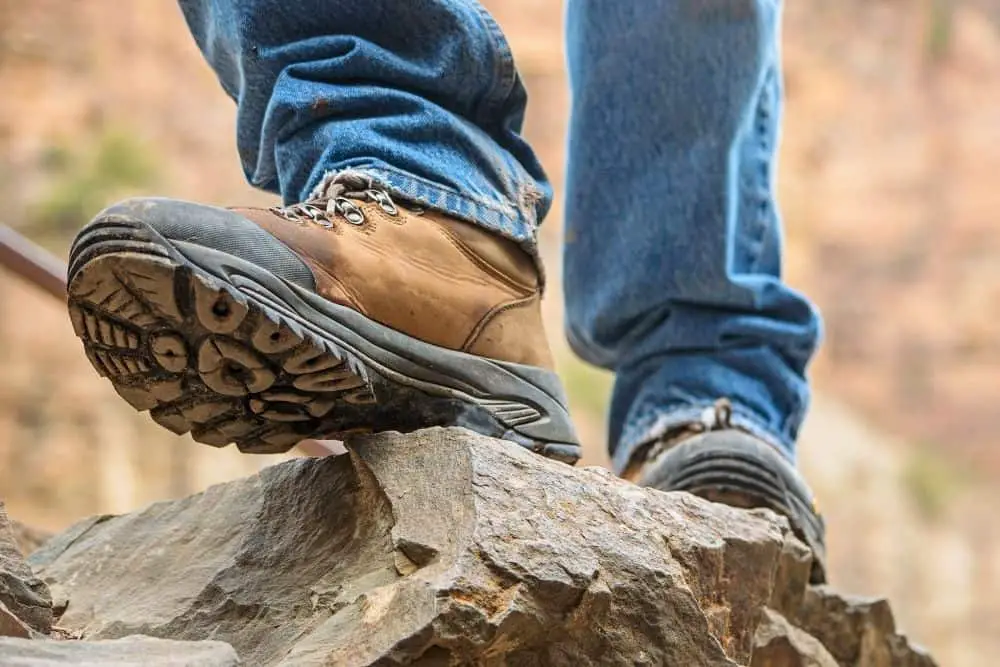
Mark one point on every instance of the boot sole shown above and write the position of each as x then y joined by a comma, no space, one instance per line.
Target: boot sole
745,472
222,349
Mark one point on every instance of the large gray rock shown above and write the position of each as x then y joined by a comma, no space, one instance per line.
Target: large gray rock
436,548
130,652
22,595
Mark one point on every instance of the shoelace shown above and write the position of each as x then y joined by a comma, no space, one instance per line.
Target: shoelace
335,199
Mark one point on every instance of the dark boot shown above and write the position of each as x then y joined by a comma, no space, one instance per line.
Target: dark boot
726,465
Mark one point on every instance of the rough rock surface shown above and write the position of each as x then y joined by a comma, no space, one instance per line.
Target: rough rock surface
778,643
128,652
442,548
23,596
858,631
11,625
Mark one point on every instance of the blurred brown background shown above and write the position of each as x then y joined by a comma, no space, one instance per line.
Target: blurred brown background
888,183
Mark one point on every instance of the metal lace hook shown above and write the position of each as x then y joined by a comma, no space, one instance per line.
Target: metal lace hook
383,200
350,211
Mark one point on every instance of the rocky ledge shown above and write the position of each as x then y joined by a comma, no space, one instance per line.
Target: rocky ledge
436,548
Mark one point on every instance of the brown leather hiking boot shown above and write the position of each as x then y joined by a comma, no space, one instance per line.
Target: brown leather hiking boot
340,315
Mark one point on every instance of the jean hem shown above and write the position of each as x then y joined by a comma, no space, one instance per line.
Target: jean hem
668,419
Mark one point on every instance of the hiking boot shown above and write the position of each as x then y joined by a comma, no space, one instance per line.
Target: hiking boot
344,314
715,461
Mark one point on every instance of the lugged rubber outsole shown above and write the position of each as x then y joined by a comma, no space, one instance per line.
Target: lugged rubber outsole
228,359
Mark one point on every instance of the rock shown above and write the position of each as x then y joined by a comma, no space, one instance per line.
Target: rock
438,546
778,643
442,548
129,652
11,625
22,594
859,632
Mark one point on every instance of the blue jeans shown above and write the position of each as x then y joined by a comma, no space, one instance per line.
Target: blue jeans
673,240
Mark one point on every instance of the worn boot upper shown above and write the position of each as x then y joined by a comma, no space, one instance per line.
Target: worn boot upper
437,279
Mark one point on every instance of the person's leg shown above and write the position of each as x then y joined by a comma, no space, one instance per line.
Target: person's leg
673,241
400,292
423,95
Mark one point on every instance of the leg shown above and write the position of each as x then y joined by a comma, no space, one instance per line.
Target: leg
673,242
423,95
357,309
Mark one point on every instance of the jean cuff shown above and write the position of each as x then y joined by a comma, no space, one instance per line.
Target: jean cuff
657,424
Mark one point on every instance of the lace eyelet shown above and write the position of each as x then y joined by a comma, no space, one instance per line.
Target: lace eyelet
285,214
350,211
384,201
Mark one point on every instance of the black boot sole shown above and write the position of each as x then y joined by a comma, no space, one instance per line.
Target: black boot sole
736,469
216,346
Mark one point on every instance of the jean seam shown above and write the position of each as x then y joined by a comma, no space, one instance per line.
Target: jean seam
763,208
504,70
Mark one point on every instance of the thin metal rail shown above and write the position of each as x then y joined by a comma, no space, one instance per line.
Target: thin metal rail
32,263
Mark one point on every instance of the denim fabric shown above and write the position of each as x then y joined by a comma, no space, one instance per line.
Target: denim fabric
420,94
673,241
